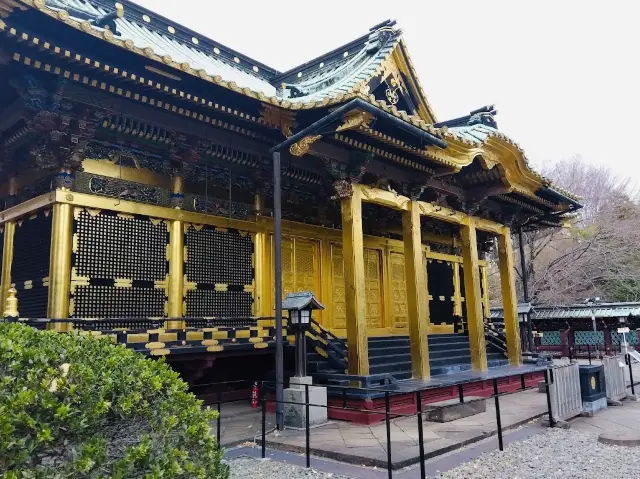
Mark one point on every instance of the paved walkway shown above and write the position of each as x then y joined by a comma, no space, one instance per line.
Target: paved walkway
367,444
447,445
241,424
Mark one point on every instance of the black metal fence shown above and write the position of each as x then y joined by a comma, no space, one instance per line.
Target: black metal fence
265,386
388,414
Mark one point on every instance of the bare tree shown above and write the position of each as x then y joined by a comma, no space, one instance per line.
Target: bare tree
599,255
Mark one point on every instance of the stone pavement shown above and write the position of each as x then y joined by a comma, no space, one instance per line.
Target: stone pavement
240,423
615,418
366,445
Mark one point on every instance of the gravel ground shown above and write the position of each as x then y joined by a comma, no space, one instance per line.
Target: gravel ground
250,468
557,453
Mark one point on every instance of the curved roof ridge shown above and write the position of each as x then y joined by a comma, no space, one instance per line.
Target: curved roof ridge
479,133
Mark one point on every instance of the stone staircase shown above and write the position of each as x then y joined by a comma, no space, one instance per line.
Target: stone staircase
448,353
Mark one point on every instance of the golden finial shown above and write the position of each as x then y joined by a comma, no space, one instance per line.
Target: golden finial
12,304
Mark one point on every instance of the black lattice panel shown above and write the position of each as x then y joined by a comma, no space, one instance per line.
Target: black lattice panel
110,247
211,303
31,250
219,256
1,244
32,302
440,284
93,301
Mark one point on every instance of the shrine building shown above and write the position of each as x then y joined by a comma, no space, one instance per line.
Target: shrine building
137,196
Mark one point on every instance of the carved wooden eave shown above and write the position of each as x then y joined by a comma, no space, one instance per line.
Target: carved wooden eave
275,112
274,117
404,62
185,68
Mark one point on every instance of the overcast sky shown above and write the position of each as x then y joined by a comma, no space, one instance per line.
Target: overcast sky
564,74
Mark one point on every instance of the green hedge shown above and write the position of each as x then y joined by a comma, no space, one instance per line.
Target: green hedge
80,407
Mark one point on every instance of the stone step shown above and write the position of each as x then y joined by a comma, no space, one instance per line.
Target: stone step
390,358
402,366
384,351
440,346
443,354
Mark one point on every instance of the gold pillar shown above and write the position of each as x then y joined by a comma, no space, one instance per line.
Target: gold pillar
354,283
260,288
509,301
417,300
259,256
60,265
7,259
175,287
176,257
473,298
258,204
177,192
457,293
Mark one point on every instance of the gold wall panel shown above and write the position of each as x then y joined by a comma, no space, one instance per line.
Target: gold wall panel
339,306
373,287
300,266
399,291
306,254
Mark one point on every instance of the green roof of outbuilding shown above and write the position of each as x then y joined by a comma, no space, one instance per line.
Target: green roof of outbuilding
578,311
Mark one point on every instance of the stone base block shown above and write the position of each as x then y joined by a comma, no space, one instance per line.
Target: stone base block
295,414
592,407
452,409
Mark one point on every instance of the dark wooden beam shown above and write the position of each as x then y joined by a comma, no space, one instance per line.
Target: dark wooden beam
12,114
161,118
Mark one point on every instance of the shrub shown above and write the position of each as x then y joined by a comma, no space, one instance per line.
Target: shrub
80,407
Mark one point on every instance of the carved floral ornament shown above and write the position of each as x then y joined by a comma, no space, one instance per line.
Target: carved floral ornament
301,147
352,120
393,79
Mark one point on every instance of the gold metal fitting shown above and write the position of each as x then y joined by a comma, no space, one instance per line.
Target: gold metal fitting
12,303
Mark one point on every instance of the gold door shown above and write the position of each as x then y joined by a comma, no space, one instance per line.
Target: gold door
300,270
306,270
339,305
399,291
373,288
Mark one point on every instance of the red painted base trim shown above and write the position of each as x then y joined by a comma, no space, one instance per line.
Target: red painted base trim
372,411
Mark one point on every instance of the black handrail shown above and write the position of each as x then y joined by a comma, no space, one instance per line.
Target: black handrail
328,333
341,361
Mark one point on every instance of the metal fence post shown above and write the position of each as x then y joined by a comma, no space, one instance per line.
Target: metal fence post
387,421
633,388
548,379
420,435
589,352
264,420
498,420
219,420
306,425
461,393
523,383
